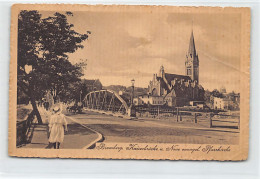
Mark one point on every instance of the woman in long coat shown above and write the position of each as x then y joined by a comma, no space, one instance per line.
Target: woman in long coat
57,124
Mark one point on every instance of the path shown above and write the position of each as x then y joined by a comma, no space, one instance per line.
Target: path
77,137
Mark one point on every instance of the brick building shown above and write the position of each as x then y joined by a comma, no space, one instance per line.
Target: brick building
92,85
179,90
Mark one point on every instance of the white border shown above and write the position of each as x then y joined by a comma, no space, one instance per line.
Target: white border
72,168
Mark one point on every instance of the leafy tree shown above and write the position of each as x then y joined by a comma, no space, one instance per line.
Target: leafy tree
207,95
216,93
44,43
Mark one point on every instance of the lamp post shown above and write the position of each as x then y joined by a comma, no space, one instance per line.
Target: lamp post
133,89
131,110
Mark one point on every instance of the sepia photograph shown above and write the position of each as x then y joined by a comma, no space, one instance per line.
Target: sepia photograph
129,82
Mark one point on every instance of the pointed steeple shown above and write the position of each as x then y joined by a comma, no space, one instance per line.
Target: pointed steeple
161,71
192,61
192,49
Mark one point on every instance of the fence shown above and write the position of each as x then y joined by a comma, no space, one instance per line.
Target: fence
208,119
225,121
155,111
23,130
212,120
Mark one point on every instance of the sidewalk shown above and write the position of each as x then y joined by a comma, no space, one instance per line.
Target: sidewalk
39,136
39,139
77,137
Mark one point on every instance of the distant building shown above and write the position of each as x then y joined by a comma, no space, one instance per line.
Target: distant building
92,85
222,103
199,104
179,90
223,90
148,99
237,98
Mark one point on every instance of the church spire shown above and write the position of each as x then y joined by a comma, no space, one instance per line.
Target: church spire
192,61
192,49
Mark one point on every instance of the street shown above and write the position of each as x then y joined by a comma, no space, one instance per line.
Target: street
115,129
88,128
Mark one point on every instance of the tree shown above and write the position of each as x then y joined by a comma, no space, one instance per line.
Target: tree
44,43
216,93
207,95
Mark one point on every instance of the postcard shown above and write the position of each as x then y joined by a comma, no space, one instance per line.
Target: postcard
129,82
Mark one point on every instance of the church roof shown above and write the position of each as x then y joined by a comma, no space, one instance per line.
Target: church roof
200,87
90,82
169,77
192,49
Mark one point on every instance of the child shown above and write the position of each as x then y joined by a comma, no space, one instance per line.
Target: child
57,124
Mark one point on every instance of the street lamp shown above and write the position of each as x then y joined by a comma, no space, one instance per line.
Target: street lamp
131,110
133,88
133,82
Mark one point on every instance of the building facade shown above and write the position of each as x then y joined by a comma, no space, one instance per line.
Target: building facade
92,85
148,99
179,90
222,103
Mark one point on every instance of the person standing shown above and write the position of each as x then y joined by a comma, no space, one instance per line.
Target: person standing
57,125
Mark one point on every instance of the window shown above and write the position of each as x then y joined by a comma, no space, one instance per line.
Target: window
188,71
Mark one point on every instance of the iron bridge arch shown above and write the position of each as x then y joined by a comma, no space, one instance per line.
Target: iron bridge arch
106,100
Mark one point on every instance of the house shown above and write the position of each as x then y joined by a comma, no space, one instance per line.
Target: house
92,85
148,99
222,103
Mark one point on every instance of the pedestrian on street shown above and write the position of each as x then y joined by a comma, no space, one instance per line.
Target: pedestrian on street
57,125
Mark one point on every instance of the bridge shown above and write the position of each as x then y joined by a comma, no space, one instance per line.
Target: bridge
106,101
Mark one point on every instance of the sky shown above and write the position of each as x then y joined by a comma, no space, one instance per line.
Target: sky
127,45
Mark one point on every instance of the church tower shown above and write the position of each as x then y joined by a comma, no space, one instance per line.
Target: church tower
161,71
192,61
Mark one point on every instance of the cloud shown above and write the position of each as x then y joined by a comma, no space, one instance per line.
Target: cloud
126,45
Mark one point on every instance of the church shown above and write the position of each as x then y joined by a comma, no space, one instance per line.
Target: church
179,90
